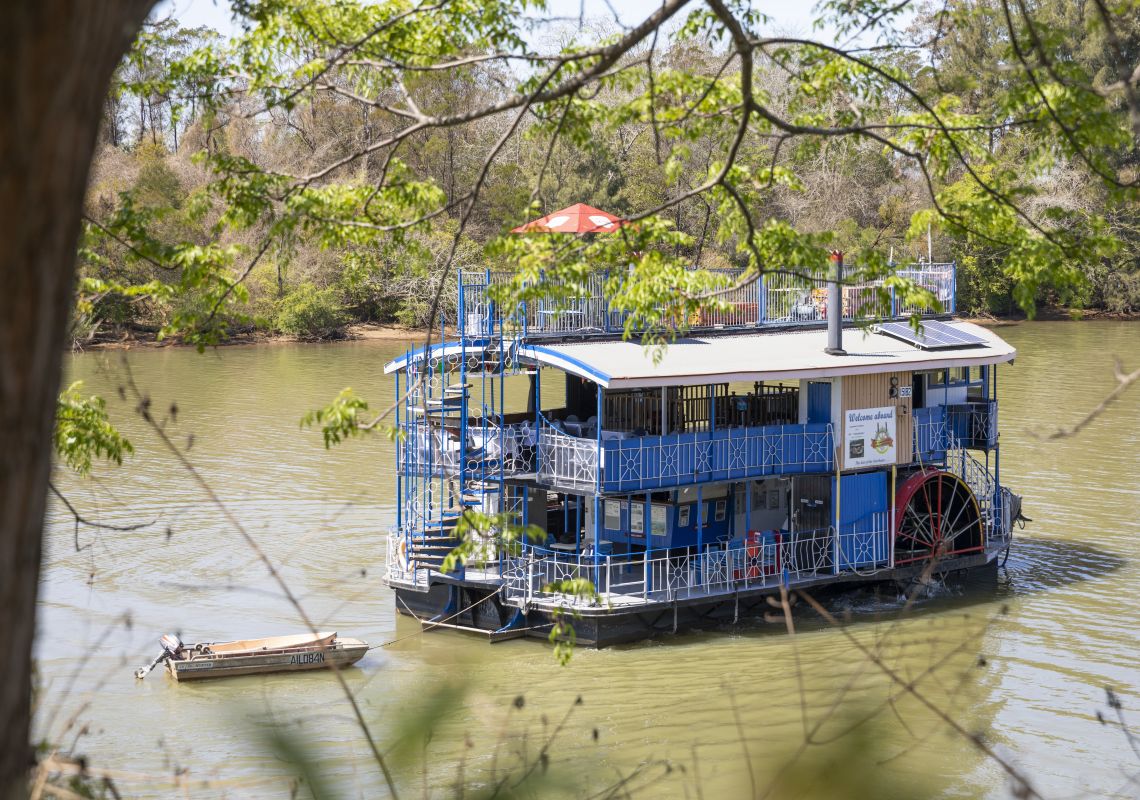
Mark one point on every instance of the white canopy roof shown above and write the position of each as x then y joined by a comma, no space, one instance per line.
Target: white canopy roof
451,351
758,357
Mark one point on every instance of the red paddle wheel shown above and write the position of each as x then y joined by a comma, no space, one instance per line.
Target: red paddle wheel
936,516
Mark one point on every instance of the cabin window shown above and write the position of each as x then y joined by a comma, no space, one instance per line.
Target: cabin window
765,404
683,516
690,407
699,408
955,376
637,411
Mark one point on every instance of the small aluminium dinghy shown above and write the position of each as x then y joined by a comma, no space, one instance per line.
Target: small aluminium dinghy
255,656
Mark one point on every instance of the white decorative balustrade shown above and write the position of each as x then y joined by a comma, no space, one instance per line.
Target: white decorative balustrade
431,450
566,461
660,576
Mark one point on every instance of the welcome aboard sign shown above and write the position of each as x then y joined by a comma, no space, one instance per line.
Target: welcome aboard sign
869,437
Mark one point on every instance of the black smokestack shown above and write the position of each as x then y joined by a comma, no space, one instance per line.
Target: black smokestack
835,307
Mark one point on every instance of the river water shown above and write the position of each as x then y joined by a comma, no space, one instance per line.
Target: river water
1020,663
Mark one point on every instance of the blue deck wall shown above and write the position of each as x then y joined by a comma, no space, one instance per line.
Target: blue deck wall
861,497
658,462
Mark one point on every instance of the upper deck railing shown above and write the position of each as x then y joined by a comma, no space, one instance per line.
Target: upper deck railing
777,299
625,463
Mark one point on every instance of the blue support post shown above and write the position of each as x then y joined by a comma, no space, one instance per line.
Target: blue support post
462,321
578,524
537,418
399,478
946,412
647,520
606,313
597,540
463,398
647,580
598,414
502,416
759,301
953,287
997,450
731,511
700,525
489,324
747,508
598,493
442,405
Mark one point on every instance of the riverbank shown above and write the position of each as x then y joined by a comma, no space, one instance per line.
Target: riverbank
1057,314
357,332
388,332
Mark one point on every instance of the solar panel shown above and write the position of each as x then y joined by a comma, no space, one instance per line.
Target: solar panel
933,335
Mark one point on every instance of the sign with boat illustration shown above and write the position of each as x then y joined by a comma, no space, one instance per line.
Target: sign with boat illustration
869,437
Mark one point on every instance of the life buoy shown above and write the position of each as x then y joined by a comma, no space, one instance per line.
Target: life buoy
402,553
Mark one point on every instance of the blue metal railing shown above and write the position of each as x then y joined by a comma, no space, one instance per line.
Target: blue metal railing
776,299
683,459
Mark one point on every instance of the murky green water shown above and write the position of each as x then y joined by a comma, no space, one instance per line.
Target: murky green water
680,717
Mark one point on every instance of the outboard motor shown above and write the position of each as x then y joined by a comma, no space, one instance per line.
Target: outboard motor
171,644
171,648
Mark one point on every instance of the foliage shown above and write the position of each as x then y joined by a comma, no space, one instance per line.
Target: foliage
318,137
343,418
484,536
310,313
562,633
83,431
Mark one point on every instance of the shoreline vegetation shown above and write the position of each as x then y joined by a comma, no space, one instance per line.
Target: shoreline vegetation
126,339
199,219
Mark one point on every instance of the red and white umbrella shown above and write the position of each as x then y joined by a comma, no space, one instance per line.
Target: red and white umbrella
578,219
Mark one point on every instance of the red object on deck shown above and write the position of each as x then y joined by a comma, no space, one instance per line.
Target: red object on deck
578,219
755,563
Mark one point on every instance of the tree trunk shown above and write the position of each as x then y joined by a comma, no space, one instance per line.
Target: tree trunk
55,66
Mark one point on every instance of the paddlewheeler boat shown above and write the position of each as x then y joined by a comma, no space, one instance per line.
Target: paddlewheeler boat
773,445
258,656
